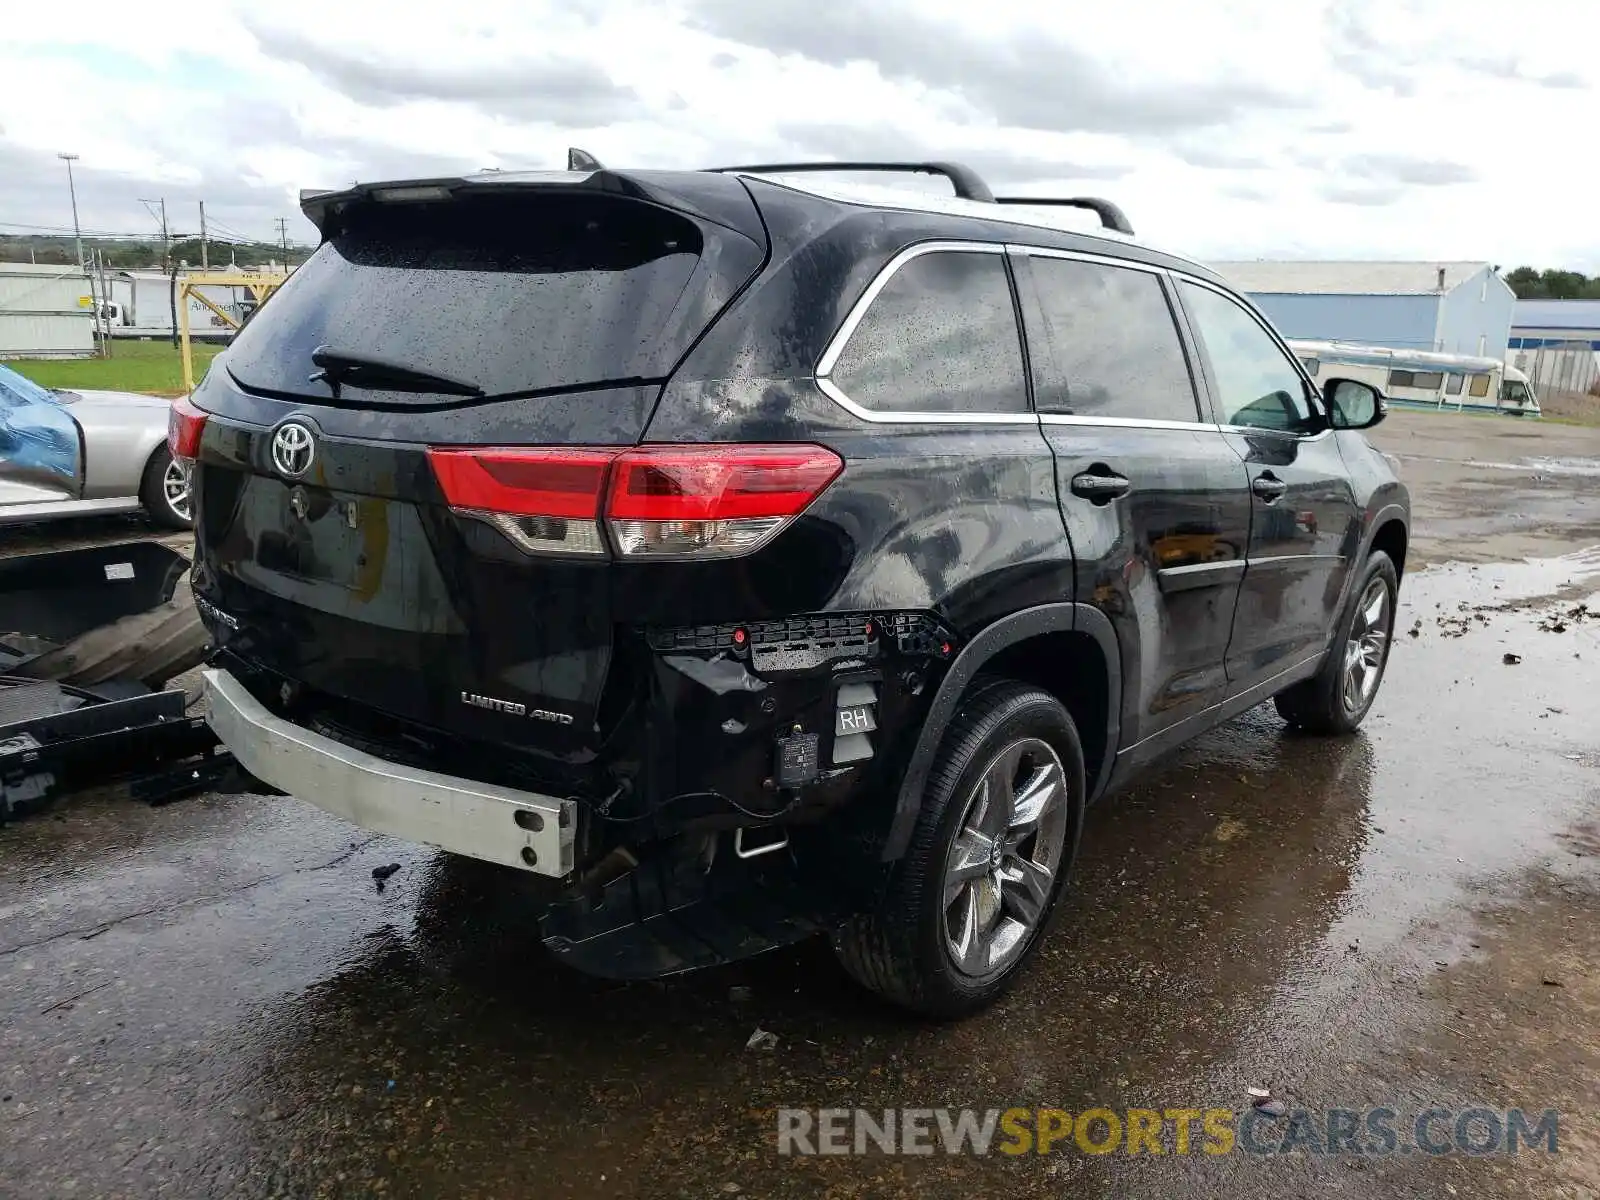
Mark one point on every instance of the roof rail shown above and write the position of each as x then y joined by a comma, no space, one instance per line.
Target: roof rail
1111,217
968,184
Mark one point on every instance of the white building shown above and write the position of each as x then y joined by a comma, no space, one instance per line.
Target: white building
46,311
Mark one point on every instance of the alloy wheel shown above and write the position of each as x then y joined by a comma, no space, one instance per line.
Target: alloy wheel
175,489
1001,868
1367,647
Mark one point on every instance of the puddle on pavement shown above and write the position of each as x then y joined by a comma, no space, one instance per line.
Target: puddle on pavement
1546,466
1259,912
1535,465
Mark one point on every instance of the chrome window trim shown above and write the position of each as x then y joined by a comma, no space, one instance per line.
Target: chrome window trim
1108,260
1126,422
1253,430
858,310
894,417
847,328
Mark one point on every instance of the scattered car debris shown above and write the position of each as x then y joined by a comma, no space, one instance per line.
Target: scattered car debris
1271,1107
1561,620
1550,980
381,875
762,1039
1258,1093
1510,659
89,639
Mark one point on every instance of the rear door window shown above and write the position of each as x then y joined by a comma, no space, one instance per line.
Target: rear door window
513,293
940,337
1105,344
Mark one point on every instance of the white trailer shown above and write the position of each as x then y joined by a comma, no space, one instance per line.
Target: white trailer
1422,378
140,306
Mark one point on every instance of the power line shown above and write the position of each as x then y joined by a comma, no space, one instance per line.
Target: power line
66,231
216,231
233,233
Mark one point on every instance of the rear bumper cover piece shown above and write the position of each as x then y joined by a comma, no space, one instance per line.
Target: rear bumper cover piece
497,824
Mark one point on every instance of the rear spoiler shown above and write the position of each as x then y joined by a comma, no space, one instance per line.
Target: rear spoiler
720,200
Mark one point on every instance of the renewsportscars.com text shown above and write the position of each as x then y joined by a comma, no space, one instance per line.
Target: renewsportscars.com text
1377,1132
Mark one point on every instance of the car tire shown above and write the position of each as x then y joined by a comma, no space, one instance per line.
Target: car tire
1338,697
951,932
157,492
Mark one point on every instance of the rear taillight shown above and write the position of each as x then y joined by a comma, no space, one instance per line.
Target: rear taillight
185,425
658,501
547,501
711,501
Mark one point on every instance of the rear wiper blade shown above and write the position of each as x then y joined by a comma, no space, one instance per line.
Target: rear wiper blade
340,368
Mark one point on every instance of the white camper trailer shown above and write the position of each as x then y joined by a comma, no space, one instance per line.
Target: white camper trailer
1424,379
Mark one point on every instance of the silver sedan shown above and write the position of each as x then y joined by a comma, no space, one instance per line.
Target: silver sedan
65,454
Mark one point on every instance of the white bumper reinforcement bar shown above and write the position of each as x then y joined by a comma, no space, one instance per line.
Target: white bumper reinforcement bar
480,820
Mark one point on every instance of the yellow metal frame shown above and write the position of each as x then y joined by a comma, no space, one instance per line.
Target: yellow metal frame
259,285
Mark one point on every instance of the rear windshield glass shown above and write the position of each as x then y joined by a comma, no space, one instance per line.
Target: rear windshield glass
511,293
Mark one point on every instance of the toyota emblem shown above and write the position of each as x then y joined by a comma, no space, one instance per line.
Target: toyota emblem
293,449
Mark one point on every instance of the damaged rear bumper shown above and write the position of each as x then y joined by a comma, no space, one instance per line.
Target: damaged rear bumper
498,824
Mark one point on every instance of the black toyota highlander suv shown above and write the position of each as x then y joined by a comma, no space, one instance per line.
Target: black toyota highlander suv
750,557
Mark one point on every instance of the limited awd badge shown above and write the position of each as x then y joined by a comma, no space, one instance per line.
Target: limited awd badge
493,704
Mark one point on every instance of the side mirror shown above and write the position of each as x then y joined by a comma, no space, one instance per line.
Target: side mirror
1353,404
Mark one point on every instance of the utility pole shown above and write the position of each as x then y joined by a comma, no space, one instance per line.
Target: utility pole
105,292
205,263
166,256
158,210
72,190
283,239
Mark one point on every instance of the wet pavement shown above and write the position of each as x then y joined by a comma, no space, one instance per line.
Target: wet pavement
214,999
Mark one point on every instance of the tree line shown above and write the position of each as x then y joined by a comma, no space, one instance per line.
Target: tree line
122,254
1531,284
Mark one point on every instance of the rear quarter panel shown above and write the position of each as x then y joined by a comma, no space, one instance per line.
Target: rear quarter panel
958,519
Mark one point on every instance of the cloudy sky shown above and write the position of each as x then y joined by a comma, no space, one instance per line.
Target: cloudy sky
1429,129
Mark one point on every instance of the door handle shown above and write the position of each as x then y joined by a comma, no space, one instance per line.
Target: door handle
1269,487
1100,485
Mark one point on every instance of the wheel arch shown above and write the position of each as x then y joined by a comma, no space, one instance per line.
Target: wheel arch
1052,646
1391,534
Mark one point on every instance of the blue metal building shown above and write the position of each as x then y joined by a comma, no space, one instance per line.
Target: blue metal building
1451,307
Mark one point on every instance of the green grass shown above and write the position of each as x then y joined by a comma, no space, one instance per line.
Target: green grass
134,366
